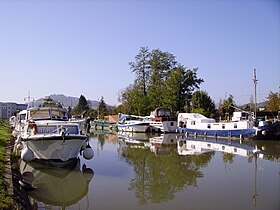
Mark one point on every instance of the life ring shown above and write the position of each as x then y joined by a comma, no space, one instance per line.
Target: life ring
32,125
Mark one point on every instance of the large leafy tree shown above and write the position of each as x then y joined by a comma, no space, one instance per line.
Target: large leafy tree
179,86
203,104
141,67
161,64
273,102
160,81
82,107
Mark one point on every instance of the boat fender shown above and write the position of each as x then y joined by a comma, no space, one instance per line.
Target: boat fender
88,152
32,125
195,135
27,154
263,132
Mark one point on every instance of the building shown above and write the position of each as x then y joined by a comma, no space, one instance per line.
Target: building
9,109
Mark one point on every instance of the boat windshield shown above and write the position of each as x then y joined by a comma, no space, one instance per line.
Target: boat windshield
43,113
163,113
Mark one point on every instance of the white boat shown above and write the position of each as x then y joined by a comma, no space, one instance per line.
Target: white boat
161,120
48,135
241,125
19,123
132,123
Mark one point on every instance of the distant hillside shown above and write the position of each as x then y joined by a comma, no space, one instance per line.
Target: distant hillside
259,105
68,100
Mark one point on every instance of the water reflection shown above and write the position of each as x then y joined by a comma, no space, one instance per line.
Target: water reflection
163,171
56,187
158,179
169,163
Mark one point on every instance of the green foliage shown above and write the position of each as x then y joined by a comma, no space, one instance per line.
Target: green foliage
180,172
102,108
273,102
160,82
203,104
134,101
82,107
189,84
5,201
226,106
141,68
161,64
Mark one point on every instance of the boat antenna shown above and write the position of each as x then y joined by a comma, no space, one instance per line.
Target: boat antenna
255,93
28,99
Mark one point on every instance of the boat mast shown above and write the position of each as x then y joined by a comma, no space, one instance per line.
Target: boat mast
255,93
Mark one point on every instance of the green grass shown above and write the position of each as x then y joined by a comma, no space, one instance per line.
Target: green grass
6,201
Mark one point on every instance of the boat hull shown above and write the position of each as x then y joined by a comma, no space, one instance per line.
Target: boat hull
55,149
223,133
163,127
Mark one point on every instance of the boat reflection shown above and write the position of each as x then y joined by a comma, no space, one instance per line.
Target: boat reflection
160,144
187,146
52,186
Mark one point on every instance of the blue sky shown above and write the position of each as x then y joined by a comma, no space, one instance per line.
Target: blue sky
83,47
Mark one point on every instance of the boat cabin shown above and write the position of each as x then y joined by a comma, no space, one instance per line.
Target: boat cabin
239,116
162,114
47,113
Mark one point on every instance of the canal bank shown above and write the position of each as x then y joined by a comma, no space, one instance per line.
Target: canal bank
12,196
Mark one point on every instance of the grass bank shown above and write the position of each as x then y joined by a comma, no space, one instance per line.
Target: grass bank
6,202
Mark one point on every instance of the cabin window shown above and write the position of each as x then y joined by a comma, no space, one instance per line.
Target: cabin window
235,150
72,129
223,147
46,129
171,123
235,125
223,126
193,122
208,126
209,145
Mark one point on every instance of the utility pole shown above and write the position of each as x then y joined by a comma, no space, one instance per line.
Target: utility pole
255,93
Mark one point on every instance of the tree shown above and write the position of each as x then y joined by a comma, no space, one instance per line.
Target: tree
141,68
273,102
161,64
190,83
102,108
133,101
179,86
227,106
203,104
82,107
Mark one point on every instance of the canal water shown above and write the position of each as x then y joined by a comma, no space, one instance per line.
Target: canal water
167,171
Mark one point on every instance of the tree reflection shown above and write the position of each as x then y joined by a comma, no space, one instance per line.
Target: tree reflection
158,178
228,157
